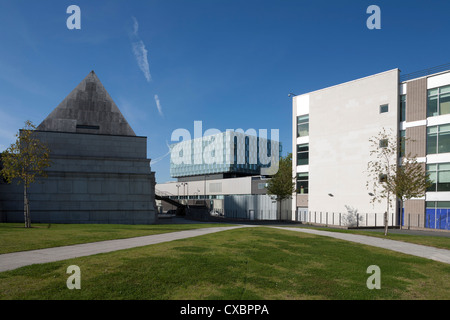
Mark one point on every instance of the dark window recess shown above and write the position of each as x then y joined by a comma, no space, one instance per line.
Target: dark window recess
382,178
83,126
383,143
384,108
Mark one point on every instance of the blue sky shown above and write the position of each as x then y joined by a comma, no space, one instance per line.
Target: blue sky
229,64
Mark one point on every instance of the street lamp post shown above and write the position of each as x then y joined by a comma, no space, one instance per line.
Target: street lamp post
204,188
184,184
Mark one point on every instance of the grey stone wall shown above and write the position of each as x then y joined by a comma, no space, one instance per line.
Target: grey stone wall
94,145
93,179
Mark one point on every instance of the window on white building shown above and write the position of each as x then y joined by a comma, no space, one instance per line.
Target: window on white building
440,176
438,101
303,126
384,108
403,107
383,143
302,154
438,139
302,183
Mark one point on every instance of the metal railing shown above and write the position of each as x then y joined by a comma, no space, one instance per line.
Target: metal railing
438,221
344,219
425,72
341,219
163,193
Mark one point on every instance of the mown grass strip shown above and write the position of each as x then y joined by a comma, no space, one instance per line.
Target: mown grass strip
14,237
433,241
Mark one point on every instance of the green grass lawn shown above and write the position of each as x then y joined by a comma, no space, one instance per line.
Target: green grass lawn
240,264
14,237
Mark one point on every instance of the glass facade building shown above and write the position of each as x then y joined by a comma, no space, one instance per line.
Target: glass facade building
224,153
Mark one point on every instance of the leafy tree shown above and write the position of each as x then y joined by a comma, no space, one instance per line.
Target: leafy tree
390,179
23,161
282,184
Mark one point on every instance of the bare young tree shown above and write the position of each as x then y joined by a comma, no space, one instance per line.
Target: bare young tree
393,176
23,161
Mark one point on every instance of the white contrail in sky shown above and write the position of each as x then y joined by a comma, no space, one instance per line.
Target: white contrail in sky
140,52
163,156
158,105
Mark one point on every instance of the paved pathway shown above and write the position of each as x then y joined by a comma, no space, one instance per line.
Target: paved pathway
441,255
16,260
10,261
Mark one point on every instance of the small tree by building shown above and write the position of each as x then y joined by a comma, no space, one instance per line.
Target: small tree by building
281,186
25,160
411,181
390,179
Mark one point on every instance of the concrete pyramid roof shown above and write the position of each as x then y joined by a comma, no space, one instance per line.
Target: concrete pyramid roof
88,109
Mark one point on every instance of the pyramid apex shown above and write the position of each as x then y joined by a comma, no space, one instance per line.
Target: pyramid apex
88,109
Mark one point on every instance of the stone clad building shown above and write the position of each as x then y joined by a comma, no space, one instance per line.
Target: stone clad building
99,173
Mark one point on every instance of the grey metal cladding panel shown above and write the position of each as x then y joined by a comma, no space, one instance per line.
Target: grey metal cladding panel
416,100
414,206
302,200
417,141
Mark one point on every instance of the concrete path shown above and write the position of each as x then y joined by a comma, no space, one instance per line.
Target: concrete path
441,255
10,261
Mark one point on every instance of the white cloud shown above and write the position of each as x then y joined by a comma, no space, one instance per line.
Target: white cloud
140,52
135,26
158,105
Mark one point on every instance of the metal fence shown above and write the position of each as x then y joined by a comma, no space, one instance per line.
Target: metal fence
431,219
439,219
345,219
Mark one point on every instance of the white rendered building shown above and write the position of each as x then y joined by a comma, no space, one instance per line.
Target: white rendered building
331,149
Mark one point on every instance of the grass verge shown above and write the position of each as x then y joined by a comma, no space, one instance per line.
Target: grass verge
14,237
433,241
